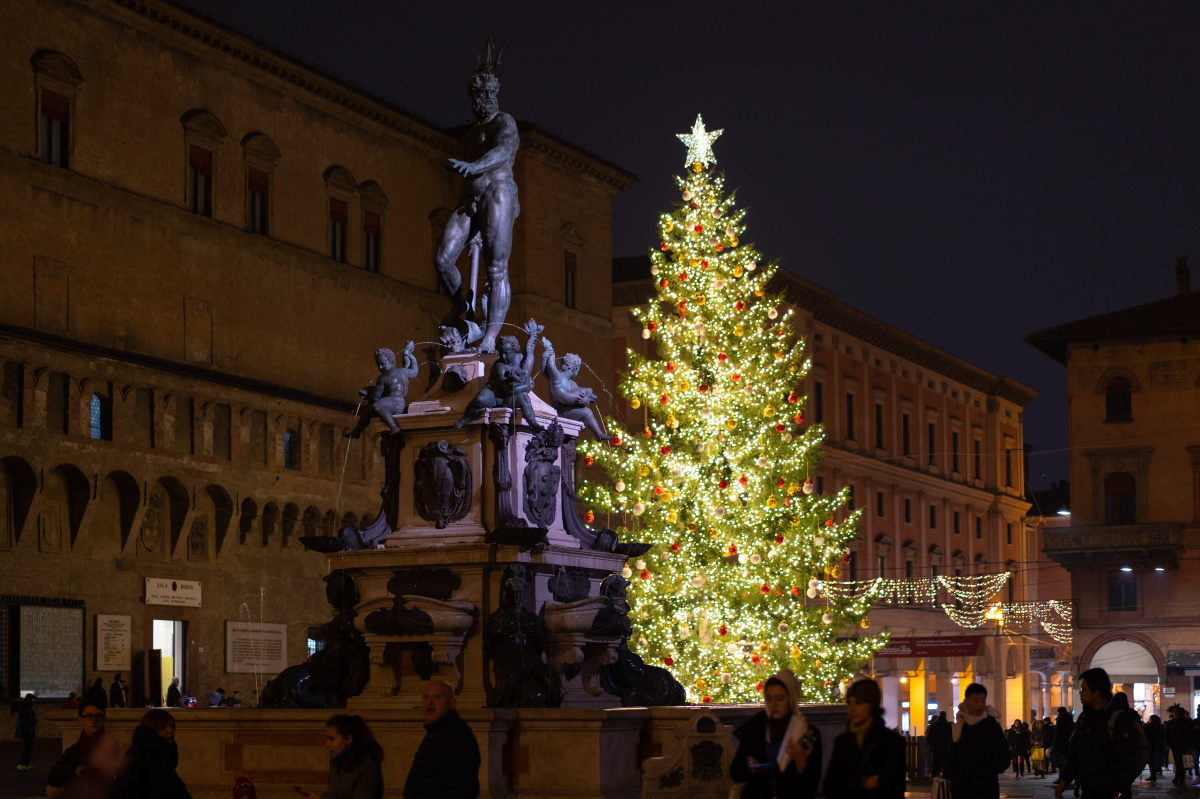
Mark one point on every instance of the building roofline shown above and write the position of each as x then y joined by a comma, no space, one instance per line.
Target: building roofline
1159,319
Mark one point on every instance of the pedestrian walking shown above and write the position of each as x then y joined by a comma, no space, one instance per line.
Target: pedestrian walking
1064,728
868,759
1038,740
979,751
446,764
778,755
1108,749
26,730
355,760
118,693
149,768
1156,738
937,736
1178,739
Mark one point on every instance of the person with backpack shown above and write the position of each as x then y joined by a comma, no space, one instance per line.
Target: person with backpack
1109,748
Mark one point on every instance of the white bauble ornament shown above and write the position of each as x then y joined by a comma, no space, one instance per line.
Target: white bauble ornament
808,487
819,540
653,269
684,631
645,333
732,648
772,314
772,554
699,580
627,572
811,593
750,267
719,510
783,628
756,558
620,486
676,471
639,509
762,461
641,564
827,618
687,195
813,583
726,678
742,558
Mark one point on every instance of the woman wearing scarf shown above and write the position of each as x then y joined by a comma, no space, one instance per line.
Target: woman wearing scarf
868,758
149,770
779,755
978,752
355,760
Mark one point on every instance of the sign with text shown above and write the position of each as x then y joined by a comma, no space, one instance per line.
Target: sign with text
114,639
165,591
1043,653
963,647
253,648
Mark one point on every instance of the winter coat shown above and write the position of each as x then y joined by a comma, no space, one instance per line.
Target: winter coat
1018,741
446,764
173,695
116,695
1064,728
1104,763
1178,732
1156,735
96,695
764,783
976,760
882,754
355,778
149,770
26,720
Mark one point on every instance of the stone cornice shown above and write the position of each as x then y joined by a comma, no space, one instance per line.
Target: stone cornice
544,145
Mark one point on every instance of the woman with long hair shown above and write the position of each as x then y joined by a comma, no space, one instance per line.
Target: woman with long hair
149,770
868,758
355,759
778,754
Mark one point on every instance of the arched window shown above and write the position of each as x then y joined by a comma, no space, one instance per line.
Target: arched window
341,189
203,135
374,203
261,155
1118,401
58,80
101,418
1120,498
291,450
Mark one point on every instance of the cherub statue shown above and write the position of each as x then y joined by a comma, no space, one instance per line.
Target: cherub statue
510,380
568,397
387,396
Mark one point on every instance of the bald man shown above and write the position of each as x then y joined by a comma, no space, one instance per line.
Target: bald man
446,764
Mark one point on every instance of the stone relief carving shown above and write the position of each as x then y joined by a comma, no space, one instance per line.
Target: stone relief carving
542,475
442,487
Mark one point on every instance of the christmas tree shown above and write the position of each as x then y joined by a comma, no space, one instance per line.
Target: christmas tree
719,477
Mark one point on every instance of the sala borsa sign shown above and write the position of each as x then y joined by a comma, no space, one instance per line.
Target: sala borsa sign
962,647
166,591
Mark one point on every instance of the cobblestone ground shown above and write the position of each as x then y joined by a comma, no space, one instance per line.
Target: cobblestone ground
1032,788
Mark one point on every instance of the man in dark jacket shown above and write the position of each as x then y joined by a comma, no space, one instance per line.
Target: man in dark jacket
1105,750
978,750
1064,728
1178,732
446,764
1156,737
938,737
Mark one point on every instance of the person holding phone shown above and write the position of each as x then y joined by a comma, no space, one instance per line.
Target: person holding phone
868,758
355,760
779,755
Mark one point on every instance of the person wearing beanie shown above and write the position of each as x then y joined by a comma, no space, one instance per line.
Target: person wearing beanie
868,759
779,755
978,749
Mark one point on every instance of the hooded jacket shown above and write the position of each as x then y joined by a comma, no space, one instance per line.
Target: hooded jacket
777,776
1105,759
149,770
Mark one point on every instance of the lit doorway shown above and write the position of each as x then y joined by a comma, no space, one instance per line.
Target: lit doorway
167,657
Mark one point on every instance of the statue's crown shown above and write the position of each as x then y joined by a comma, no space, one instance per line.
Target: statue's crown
487,61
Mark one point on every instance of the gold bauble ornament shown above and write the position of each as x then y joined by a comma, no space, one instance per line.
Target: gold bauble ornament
739,331
693,262
697,167
759,292
769,410
672,422
835,572
667,496
669,226
692,527
865,623
731,423
737,271
701,683
794,652
672,516
635,403
644,471
771,502
733,240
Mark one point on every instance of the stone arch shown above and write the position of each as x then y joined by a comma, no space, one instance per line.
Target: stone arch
129,499
373,196
79,495
1151,648
271,522
340,182
312,521
178,505
291,522
222,514
53,64
1101,385
348,520
329,525
260,151
204,126
246,519
18,488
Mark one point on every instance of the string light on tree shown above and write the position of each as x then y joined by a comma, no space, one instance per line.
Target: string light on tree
719,479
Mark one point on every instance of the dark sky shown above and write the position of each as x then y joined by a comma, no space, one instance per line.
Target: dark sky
966,171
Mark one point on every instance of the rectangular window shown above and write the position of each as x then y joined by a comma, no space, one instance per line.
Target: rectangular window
1122,591
200,180
878,426
1008,530
905,435
372,240
879,504
337,230
978,456
882,566
933,517
818,407
850,416
978,528
908,570
852,566
957,523
257,185
908,511
820,484
570,263
55,129
850,506
931,428
954,466
1008,467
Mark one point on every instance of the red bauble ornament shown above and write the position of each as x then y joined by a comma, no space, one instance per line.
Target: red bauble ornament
662,284
735,377
846,557
722,630
704,264
795,590
588,460
744,480
665,450
652,326
787,501
706,699
798,418
694,204
778,539
675,546
779,428
739,306
732,550
664,399
720,248
670,366
755,659
664,246
778,592
682,303
764,589
759,687
616,441
669,661
703,388
645,575
722,484
659,490
792,398
683,276
589,517
722,357
699,228
829,522
779,333
780,483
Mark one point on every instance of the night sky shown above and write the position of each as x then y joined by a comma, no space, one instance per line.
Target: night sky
969,172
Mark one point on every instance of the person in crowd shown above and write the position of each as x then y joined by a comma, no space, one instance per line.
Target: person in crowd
868,760
978,750
72,702
26,730
173,693
446,764
1018,747
88,765
1039,740
1106,752
149,768
1064,728
96,695
1194,744
355,760
118,693
1178,740
778,754
1049,733
216,698
937,737
1156,737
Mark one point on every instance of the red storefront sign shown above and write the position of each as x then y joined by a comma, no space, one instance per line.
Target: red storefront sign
963,647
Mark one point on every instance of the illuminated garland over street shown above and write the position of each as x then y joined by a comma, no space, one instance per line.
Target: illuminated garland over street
716,470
